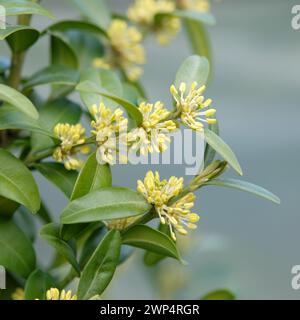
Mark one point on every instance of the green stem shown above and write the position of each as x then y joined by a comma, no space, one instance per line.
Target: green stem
69,278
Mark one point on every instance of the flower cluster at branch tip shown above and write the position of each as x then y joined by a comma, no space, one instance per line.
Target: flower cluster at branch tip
109,128
54,294
192,106
197,5
126,44
143,12
159,193
152,135
71,136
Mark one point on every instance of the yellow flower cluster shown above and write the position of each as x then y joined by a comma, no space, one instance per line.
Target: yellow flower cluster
152,135
192,106
197,5
109,128
143,12
55,294
71,137
126,45
159,193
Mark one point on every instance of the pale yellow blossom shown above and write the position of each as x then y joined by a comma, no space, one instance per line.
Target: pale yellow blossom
71,137
109,128
143,12
18,294
153,134
159,193
193,108
197,5
55,294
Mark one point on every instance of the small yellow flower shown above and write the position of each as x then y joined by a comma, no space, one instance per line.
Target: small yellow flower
197,5
126,46
194,109
154,131
159,193
109,128
71,136
54,294
18,294
143,13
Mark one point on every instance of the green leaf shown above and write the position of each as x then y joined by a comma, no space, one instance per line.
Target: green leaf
8,207
10,118
18,100
50,233
100,268
223,149
245,186
103,80
57,174
133,111
19,7
37,285
105,204
17,183
16,254
194,68
62,52
144,237
67,25
95,10
221,294
93,176
199,39
151,258
19,38
210,153
53,75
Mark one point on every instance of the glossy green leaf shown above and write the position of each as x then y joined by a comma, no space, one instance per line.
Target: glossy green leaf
105,204
8,207
17,183
221,294
51,233
16,254
67,25
37,285
18,7
55,74
95,10
144,237
133,111
199,39
18,100
100,268
20,38
103,80
194,68
210,153
245,186
57,174
93,176
10,118
223,149
62,52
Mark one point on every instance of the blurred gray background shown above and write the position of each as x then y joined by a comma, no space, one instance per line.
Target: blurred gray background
243,243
